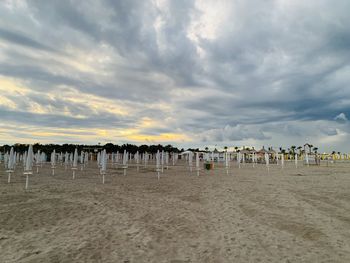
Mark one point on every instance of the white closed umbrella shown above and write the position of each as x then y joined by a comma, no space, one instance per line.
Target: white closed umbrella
86,159
66,160
125,161
167,160
29,164
239,156
29,161
174,157
145,159
254,159
137,158
267,162
197,163
10,159
190,157
99,159
37,160
103,158
53,158
24,159
53,162
117,157
162,160
71,157
81,159
226,161
113,159
267,159
75,158
158,164
6,157
43,158
75,162
61,158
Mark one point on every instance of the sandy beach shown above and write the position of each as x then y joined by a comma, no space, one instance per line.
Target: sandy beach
250,215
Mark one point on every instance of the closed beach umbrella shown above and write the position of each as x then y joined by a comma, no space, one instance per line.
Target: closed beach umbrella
29,161
66,159
37,158
125,158
158,163
75,158
28,164
86,161
99,159
24,159
104,161
197,163
82,157
11,160
190,157
53,158
267,159
239,159
6,159
103,158
71,156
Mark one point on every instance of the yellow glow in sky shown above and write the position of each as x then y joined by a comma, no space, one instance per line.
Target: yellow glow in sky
163,137
17,92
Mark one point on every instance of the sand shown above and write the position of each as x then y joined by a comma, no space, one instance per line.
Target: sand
290,215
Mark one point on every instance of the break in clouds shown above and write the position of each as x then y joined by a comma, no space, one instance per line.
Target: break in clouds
190,73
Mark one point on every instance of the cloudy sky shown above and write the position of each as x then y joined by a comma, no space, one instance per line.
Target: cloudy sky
190,73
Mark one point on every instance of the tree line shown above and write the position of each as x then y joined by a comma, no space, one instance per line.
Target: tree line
110,147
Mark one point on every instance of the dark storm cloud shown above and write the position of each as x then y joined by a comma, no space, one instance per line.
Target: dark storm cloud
20,39
61,121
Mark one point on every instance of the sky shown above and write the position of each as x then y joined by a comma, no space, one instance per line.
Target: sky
201,73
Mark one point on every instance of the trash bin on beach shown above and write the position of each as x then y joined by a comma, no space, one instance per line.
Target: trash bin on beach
208,166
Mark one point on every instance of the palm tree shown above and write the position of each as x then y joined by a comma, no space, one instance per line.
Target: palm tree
315,149
310,147
293,147
225,148
206,149
236,148
299,149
